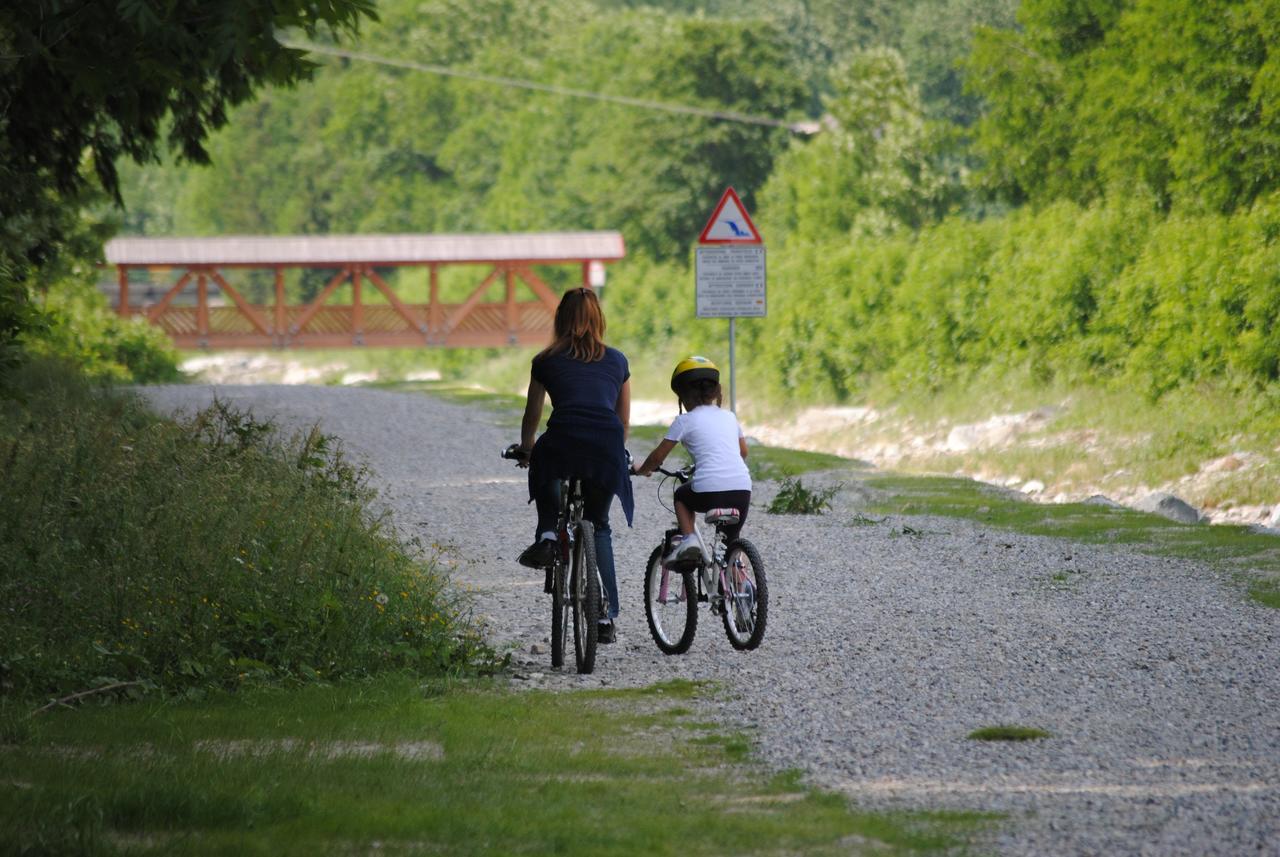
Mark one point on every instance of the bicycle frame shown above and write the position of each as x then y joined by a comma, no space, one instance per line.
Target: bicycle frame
727,574
712,558
576,586
571,508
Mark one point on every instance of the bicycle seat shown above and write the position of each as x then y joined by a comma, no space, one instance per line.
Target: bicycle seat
723,516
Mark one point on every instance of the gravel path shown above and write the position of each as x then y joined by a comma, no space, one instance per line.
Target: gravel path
1157,677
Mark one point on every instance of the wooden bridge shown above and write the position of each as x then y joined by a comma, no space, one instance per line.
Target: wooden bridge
482,319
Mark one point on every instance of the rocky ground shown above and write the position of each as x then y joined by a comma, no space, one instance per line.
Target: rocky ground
888,440
889,643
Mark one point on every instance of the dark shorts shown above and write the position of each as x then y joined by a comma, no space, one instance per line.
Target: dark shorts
708,500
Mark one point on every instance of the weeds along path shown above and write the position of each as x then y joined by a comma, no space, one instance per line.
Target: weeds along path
889,643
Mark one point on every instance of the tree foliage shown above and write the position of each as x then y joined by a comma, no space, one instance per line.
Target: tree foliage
870,171
1179,97
99,78
84,83
1112,292
1143,134
372,148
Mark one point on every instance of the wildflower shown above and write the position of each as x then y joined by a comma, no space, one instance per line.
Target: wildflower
381,598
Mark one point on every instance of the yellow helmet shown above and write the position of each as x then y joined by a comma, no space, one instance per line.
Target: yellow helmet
693,368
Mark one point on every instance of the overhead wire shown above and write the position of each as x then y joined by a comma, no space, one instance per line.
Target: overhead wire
569,92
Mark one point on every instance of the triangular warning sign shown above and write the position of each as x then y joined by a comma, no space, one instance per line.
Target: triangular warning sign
729,223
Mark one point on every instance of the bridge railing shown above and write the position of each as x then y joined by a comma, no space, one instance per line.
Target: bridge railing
511,305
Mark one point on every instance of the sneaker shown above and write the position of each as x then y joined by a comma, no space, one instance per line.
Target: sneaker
685,550
606,632
540,554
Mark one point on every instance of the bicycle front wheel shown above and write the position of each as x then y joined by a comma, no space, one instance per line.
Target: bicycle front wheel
585,586
670,605
746,595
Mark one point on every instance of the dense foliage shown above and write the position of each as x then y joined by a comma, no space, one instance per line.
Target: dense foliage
84,83
197,554
1180,98
368,148
1087,193
1109,291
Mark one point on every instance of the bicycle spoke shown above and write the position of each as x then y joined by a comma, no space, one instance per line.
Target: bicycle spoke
746,594
670,605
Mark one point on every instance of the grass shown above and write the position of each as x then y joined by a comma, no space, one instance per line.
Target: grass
449,767
1238,549
1008,733
144,553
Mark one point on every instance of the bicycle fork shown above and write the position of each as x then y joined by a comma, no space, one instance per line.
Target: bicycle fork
736,584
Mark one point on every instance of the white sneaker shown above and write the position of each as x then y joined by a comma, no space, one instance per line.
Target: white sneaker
685,550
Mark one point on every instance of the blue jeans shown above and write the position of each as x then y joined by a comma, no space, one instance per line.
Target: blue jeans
595,508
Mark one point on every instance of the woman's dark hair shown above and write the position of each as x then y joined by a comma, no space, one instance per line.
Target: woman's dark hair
579,327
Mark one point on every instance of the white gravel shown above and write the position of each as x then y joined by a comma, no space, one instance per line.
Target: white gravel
1157,678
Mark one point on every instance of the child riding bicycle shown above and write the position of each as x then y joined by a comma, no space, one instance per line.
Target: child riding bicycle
715,441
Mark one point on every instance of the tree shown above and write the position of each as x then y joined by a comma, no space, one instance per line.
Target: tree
656,175
870,170
1091,94
91,81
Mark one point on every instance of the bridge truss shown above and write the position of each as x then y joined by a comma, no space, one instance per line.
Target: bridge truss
519,314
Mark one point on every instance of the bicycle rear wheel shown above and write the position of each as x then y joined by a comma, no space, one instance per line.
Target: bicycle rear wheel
585,585
559,612
670,605
746,595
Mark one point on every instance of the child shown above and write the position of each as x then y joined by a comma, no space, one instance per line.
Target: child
716,444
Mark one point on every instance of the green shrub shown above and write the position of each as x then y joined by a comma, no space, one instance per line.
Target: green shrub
795,499
79,328
195,554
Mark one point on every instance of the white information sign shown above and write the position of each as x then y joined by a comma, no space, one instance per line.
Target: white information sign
730,281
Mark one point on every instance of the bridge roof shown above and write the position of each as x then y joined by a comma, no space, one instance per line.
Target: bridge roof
325,250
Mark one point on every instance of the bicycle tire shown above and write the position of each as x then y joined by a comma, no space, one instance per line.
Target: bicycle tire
559,613
746,612
585,586
670,635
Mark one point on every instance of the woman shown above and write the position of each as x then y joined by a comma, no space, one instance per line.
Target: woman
590,388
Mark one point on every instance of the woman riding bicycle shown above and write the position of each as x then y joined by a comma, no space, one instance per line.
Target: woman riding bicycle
590,388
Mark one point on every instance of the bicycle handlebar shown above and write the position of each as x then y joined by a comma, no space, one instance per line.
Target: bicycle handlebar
514,453
684,474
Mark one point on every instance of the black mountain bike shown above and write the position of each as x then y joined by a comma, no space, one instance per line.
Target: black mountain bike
576,591
728,576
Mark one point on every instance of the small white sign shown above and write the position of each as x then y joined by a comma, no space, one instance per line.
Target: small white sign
730,280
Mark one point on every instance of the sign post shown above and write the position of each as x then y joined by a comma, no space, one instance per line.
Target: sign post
729,272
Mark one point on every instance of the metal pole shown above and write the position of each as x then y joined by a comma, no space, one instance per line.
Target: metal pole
733,397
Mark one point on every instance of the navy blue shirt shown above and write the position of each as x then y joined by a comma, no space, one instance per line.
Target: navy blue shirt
575,385
584,436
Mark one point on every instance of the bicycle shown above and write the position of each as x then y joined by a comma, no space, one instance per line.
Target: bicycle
576,588
729,577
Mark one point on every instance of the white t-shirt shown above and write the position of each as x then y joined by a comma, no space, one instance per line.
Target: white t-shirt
711,436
